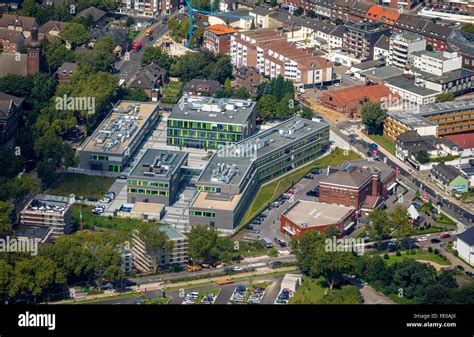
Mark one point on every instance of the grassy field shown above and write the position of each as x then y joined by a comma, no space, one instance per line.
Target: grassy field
384,142
81,185
431,230
125,225
275,188
171,92
420,255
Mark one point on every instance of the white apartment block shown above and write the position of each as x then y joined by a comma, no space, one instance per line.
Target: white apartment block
436,62
402,45
143,260
270,53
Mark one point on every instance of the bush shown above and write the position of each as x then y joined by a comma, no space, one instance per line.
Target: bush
456,253
385,256
436,251
399,254
413,252
430,249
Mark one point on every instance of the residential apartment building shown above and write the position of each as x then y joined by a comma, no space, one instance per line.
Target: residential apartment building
156,177
361,185
230,180
360,38
150,7
410,91
273,56
457,82
436,62
434,119
216,38
118,137
382,48
48,211
402,45
210,123
146,260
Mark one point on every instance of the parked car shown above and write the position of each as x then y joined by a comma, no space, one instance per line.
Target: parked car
459,267
417,206
105,200
122,177
422,239
276,264
254,231
280,242
435,240
316,170
250,227
445,236
309,176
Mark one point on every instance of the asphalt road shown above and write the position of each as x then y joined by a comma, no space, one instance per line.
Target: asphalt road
128,68
409,179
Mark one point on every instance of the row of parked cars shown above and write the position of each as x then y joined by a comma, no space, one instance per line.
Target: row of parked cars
239,294
284,296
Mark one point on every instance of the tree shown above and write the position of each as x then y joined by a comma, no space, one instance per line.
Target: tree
373,117
378,225
155,241
227,84
331,231
468,28
299,11
444,97
6,275
339,21
130,21
202,240
413,277
252,26
304,248
306,112
422,157
56,53
156,56
332,265
266,106
5,222
273,3
429,47
133,94
16,85
311,14
74,33
399,220
34,277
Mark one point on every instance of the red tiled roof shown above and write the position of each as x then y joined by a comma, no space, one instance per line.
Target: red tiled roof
464,140
381,14
220,29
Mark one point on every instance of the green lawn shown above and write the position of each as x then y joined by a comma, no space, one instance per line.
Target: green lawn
125,225
272,190
444,219
431,230
384,142
157,300
81,185
315,291
420,255
311,291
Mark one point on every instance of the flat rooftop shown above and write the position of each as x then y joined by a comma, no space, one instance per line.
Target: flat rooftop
220,201
47,206
437,108
214,110
158,163
229,165
147,208
120,127
409,85
31,232
382,73
310,214
171,232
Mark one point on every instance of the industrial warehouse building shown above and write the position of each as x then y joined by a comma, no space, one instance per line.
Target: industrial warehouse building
119,137
210,123
232,177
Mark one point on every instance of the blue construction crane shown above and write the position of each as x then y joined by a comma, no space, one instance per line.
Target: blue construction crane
192,7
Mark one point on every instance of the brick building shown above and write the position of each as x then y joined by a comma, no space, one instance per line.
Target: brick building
350,99
358,184
304,216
